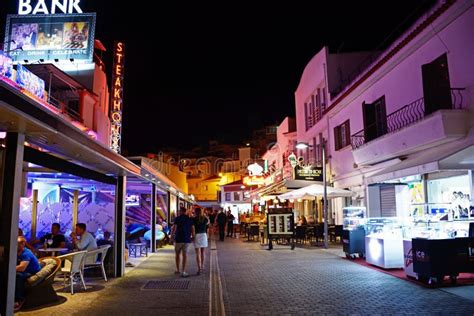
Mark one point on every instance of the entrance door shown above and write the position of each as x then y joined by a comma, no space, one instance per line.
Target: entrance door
436,86
375,119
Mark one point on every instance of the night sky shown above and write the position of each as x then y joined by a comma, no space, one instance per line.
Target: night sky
202,70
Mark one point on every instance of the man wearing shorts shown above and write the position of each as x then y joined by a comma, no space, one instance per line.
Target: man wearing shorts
183,233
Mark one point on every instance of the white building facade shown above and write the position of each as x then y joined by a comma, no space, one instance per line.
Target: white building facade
400,134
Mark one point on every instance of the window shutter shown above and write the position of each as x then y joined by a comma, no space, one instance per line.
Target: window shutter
348,133
337,137
388,206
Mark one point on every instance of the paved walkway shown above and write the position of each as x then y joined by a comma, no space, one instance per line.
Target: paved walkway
126,296
246,279
317,282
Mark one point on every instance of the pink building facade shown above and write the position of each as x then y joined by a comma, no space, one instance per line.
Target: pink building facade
405,122
277,156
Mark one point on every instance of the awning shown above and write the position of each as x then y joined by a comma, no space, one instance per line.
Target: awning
55,134
282,187
314,191
457,155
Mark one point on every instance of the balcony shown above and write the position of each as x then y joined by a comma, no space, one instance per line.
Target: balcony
411,129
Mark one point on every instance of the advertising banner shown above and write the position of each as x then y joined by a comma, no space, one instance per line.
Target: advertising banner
6,66
50,37
30,82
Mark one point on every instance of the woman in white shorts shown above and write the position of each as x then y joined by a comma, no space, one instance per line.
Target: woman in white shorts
201,223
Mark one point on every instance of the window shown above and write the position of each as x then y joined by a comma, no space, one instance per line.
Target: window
227,197
205,187
375,119
236,196
342,135
314,107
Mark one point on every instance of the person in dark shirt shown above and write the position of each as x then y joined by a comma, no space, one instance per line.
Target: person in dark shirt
230,223
212,220
221,221
183,233
106,240
58,239
27,265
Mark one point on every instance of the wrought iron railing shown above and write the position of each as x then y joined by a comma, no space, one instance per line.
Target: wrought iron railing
358,139
407,115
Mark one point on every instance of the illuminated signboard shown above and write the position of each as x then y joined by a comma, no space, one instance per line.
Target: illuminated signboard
39,7
6,66
117,97
30,82
310,173
254,180
255,169
50,38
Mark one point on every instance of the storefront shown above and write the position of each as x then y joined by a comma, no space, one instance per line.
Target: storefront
421,213
34,137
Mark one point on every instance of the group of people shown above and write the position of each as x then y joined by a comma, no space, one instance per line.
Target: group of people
192,227
223,219
27,262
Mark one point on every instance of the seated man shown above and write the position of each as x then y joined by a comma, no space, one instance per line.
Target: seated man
58,239
27,265
28,245
106,240
86,241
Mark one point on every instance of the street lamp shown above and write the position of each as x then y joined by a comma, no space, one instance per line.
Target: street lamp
303,145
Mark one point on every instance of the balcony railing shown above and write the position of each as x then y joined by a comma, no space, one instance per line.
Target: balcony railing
407,115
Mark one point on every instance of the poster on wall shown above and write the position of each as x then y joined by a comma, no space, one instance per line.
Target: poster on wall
30,82
6,66
50,37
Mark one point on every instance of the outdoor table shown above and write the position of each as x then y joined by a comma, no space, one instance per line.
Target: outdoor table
53,251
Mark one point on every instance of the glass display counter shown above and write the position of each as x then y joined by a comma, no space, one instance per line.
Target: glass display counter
353,233
384,243
434,248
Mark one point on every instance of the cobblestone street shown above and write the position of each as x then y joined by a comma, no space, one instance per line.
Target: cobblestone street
314,281
255,281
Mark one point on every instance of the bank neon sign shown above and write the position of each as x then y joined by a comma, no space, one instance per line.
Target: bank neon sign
117,97
26,7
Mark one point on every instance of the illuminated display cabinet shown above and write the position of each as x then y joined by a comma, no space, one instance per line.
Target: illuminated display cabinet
384,243
353,234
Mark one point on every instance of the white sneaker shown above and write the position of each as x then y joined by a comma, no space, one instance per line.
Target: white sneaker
184,274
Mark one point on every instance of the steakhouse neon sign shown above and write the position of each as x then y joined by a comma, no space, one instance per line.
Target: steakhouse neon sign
117,97
62,6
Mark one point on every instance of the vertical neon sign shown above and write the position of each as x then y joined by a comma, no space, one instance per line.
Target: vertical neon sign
117,97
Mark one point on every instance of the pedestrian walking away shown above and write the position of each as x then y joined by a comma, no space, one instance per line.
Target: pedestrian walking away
183,233
221,221
201,223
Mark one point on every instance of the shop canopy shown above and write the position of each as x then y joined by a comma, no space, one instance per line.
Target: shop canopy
280,187
314,191
454,156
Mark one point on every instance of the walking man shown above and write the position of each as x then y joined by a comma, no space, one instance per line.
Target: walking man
183,233
221,221
230,223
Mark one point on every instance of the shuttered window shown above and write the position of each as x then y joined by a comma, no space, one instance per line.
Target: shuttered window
388,205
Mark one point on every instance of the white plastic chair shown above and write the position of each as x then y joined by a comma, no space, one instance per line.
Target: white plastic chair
73,265
93,261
